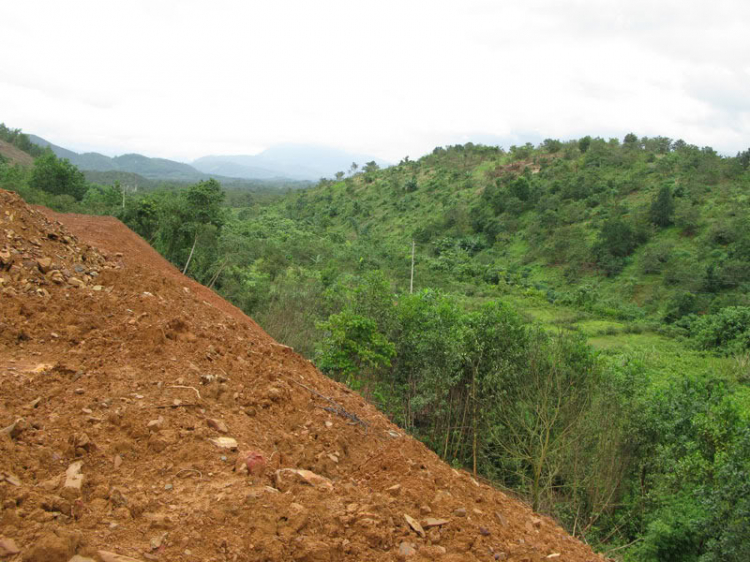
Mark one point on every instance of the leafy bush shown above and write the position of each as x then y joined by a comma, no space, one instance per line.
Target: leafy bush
727,331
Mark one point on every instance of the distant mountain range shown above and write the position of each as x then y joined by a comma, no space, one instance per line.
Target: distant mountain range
149,168
296,161
285,161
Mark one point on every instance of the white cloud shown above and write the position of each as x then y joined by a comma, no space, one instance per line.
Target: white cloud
182,79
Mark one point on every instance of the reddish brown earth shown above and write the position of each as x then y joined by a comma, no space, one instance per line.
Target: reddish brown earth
121,372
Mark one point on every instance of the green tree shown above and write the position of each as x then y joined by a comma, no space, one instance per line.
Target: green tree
494,344
536,416
58,177
661,211
353,349
371,167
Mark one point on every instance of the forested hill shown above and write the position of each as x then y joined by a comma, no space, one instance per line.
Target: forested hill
644,226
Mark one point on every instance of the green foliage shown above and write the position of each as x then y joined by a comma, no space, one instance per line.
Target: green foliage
727,331
662,207
680,305
352,347
693,441
58,177
617,240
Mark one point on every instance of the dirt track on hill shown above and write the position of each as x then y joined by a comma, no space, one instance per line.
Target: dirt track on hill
121,382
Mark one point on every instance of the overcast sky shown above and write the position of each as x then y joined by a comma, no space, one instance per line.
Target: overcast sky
181,79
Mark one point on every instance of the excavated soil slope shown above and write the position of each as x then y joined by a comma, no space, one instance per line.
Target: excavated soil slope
147,419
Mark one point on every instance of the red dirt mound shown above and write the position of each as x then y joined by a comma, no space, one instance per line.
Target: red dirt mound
147,419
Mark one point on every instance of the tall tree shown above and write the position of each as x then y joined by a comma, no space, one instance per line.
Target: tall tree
662,207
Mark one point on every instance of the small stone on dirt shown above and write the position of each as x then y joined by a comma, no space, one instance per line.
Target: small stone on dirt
44,264
156,425
8,547
218,425
225,443
460,512
414,524
406,550
250,462
432,522
73,481
284,475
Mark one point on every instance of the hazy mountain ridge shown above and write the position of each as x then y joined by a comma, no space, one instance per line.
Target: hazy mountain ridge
285,161
150,168
298,161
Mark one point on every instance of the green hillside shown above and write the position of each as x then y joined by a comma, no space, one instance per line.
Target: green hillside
579,221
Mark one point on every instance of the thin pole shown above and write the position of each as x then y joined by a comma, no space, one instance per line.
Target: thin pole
411,282
191,252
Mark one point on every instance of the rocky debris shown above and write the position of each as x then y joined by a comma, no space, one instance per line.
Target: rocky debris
460,512
250,462
218,425
157,541
156,425
44,264
10,478
394,490
79,558
74,479
406,550
15,429
432,522
8,547
414,524
285,477
225,443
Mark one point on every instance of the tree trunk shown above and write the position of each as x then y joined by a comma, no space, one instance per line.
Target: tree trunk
184,271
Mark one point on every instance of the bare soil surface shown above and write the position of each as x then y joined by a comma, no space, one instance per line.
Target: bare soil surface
145,418
15,155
